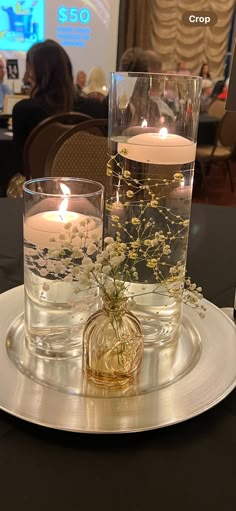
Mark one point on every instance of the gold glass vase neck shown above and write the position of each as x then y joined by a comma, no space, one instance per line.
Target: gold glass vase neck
114,306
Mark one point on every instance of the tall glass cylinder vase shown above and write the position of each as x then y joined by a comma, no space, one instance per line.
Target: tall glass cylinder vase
153,123
63,225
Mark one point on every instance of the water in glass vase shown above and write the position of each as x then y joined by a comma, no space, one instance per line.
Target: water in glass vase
56,309
151,218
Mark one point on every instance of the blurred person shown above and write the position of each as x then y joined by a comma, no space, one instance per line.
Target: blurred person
135,60
97,86
80,81
206,99
181,69
4,89
145,61
166,111
204,71
52,92
153,63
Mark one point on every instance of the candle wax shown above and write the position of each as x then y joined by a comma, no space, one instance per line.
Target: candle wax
155,148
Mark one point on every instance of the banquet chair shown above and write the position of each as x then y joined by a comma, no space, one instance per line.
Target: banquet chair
80,152
217,108
42,138
222,150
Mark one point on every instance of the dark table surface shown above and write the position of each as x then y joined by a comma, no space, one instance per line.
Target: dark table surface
190,466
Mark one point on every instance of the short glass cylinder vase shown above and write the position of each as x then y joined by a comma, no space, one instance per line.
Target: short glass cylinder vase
113,345
63,223
153,124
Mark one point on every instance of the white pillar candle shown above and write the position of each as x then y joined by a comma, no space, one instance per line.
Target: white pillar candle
41,228
161,148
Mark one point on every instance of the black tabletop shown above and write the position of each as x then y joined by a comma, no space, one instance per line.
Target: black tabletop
189,466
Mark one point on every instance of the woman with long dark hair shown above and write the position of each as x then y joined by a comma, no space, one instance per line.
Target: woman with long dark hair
52,92
204,71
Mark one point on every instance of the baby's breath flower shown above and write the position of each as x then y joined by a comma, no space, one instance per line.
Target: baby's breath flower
68,278
166,250
121,246
135,221
147,243
178,176
77,253
83,281
41,262
115,261
86,261
68,226
108,240
43,272
127,173
110,248
130,194
109,287
106,269
132,255
136,243
109,170
115,218
50,266
59,267
91,249
154,203
152,263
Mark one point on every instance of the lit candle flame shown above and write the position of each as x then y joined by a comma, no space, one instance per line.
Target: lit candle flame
64,205
163,132
144,124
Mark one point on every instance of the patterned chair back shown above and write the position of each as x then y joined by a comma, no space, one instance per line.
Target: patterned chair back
217,108
80,152
43,137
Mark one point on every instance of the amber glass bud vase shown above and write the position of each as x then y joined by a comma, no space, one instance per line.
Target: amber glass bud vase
113,344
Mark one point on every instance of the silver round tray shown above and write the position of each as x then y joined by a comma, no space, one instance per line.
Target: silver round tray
171,387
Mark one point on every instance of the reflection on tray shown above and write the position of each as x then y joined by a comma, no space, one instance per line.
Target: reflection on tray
160,366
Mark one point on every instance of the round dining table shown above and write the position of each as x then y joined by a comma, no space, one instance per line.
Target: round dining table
188,466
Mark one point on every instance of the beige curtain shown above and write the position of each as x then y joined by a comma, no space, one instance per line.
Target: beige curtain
157,24
174,41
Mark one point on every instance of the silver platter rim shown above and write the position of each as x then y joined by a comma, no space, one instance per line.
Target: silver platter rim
210,381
